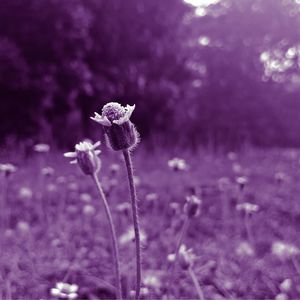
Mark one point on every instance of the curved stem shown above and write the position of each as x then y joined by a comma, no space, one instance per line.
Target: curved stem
135,216
196,284
113,235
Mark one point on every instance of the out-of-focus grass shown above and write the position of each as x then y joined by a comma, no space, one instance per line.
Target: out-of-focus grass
59,232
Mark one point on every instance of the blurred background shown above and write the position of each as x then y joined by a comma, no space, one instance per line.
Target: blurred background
221,73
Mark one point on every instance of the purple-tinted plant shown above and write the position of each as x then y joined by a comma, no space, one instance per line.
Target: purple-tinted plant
248,209
6,170
191,209
122,135
186,259
87,158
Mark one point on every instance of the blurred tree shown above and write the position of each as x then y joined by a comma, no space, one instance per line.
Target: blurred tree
239,98
225,73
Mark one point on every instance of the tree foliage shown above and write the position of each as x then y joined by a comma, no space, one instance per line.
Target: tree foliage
225,76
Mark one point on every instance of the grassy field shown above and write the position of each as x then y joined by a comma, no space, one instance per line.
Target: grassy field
53,227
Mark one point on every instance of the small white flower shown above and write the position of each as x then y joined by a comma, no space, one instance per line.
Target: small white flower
55,292
89,210
244,249
247,207
85,197
284,250
286,285
41,148
25,193
47,171
7,169
128,236
177,164
151,197
186,257
241,181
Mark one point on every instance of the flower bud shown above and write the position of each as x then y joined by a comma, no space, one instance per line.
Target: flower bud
186,257
120,132
192,206
86,157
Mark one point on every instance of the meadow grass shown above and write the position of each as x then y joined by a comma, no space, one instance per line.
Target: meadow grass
67,244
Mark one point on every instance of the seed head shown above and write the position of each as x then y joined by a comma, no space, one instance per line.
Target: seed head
87,157
115,119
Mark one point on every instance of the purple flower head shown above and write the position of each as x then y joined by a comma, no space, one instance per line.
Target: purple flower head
87,157
118,128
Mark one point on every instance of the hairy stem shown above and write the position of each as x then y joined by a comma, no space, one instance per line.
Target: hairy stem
113,236
196,284
135,216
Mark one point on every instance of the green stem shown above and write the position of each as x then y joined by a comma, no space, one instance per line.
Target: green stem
196,284
113,235
135,216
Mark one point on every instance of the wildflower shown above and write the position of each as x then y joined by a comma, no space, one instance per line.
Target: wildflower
247,207
114,168
286,285
25,193
61,180
281,296
186,257
123,207
65,290
284,250
51,188
241,181
73,187
41,148
192,206
89,210
87,157
23,227
85,197
7,169
177,164
244,249
47,171
151,280
120,131
129,236
151,197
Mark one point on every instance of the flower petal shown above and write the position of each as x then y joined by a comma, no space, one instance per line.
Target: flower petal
72,162
129,110
70,154
96,145
97,152
101,120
